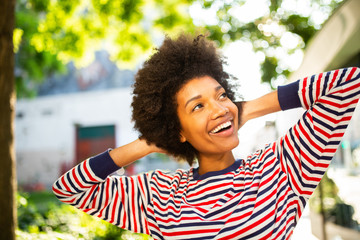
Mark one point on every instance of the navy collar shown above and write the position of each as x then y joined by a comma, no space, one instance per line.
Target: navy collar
231,168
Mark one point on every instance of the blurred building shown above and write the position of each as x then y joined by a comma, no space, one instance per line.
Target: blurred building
75,116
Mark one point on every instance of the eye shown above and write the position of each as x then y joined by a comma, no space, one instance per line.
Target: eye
223,95
197,107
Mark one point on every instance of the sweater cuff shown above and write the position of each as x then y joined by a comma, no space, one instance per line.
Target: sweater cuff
103,165
288,96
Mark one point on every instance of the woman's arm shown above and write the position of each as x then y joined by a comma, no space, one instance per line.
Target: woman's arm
120,200
258,107
125,155
308,147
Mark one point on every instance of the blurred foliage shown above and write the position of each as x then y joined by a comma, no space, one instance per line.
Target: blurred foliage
267,32
49,34
42,216
335,209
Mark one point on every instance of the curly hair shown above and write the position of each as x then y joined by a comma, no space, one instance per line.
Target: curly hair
158,81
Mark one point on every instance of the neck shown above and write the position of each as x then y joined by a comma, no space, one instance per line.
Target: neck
211,163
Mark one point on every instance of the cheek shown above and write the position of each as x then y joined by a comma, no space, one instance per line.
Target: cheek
194,131
233,108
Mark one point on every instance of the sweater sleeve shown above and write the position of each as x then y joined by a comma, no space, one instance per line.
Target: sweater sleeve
119,200
307,148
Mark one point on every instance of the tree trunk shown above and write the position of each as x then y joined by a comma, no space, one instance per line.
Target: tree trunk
7,105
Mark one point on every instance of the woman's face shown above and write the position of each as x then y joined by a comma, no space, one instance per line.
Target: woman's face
208,118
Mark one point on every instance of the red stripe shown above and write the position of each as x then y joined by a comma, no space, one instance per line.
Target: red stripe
306,134
69,201
89,193
291,174
180,219
240,217
290,234
269,178
113,210
303,92
265,199
318,86
87,171
330,119
351,74
281,143
333,79
267,236
145,221
123,202
64,184
95,197
251,226
141,185
347,90
156,227
327,135
207,189
133,205
190,232
165,176
59,193
106,186
296,158
308,159
76,179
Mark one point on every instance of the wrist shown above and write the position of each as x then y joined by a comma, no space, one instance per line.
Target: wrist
259,107
147,148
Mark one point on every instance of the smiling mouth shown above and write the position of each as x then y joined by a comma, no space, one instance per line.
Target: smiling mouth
221,127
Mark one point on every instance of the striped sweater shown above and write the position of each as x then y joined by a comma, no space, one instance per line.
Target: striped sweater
260,197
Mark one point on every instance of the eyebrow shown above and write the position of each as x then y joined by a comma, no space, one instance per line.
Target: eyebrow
199,96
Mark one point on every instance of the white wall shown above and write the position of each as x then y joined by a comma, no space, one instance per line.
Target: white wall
45,134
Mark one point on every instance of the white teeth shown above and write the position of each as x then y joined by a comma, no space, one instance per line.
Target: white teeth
221,126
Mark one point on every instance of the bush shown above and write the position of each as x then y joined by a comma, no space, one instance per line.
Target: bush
42,216
335,209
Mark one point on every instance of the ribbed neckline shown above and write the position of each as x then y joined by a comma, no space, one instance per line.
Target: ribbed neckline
231,168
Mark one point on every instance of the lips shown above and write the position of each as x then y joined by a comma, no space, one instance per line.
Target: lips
222,127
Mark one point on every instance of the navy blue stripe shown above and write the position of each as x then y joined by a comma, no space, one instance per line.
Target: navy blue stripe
231,168
326,83
156,235
288,96
342,76
82,177
139,216
192,224
70,182
127,190
311,89
103,165
261,230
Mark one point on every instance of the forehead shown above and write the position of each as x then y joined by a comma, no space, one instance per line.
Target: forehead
195,87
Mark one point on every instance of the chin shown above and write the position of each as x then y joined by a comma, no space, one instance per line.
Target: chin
230,145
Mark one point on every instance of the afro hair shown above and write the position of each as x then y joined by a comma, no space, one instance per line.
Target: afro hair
158,81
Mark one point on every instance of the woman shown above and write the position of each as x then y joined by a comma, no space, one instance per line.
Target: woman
183,105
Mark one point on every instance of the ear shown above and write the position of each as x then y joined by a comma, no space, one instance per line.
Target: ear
182,138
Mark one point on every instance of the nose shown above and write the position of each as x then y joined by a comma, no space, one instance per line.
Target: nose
218,110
